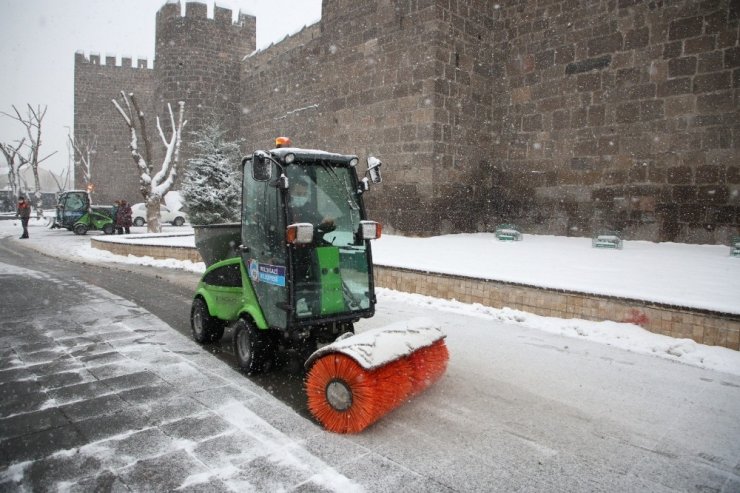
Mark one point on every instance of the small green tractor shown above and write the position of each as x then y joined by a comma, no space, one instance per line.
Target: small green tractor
297,271
75,212
296,274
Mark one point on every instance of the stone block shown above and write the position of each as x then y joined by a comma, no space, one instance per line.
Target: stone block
684,193
733,174
710,62
686,28
674,87
589,82
680,175
712,82
713,103
588,65
672,50
699,45
713,194
637,38
605,44
683,66
651,110
628,113
732,57
564,54
708,174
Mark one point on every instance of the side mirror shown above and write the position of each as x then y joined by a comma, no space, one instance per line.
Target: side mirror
261,167
373,169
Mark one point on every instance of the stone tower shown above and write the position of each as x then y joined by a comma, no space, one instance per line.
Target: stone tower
197,60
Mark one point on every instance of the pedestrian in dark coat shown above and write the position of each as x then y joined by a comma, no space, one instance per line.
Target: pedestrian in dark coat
123,218
24,212
116,225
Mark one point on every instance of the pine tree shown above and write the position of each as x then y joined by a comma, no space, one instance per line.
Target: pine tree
211,187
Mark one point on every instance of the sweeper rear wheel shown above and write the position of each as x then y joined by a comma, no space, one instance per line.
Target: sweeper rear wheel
250,347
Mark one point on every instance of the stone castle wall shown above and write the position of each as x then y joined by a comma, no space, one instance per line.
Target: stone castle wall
620,114
564,116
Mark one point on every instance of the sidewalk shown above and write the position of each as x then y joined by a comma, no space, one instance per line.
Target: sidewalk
98,394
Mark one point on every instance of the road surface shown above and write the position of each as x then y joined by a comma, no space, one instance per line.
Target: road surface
517,410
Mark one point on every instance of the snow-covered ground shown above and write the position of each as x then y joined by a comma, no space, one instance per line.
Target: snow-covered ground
699,276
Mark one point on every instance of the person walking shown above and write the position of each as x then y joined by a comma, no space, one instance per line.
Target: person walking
116,225
24,212
123,218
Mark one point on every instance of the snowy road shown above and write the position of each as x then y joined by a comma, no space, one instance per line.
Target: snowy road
521,409
518,409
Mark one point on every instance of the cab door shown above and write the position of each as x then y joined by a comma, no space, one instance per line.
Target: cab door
264,255
74,205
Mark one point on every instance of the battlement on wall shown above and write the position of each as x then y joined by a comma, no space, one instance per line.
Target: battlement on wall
110,61
196,10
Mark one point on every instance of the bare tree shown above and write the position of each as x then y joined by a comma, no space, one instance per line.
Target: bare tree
15,162
153,186
84,152
61,179
32,122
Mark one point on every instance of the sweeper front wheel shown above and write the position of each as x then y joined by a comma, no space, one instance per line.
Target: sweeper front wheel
204,327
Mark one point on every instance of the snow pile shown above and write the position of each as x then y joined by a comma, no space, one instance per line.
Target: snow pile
694,276
377,347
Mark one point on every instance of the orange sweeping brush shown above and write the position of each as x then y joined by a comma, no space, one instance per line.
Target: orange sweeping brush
354,382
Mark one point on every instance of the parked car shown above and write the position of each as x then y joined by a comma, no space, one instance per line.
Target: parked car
176,218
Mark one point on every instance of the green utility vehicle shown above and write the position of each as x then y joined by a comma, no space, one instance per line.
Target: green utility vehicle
75,212
297,270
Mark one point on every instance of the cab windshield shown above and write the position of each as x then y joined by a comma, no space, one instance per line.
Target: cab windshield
331,273
326,197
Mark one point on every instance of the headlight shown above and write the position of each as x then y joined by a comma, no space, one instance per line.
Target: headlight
370,230
289,158
299,234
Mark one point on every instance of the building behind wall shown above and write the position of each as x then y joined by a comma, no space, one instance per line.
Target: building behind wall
562,116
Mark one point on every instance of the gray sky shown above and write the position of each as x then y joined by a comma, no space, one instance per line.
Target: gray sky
38,40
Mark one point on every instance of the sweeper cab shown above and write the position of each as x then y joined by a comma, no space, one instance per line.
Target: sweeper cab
296,274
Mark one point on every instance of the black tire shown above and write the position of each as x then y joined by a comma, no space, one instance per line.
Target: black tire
139,221
109,229
203,326
179,221
251,347
80,229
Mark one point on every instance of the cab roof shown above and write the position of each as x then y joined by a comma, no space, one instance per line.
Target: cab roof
312,155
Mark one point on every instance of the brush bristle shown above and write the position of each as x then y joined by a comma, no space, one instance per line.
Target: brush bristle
374,392
428,365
